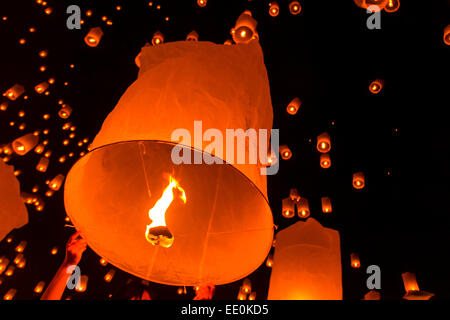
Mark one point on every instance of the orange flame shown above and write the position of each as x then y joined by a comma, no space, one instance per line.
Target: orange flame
157,232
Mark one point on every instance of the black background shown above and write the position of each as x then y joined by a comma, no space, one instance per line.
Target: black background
327,57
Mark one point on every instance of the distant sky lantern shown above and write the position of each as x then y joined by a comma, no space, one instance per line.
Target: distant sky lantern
3,264
269,261
412,288
295,7
103,262
39,148
194,207
109,275
376,86
372,295
252,296
14,92
326,205
324,143
81,285
293,106
10,270
21,246
358,180
19,257
242,295
48,10
43,53
25,144
39,287
274,9
9,295
447,35
294,195
22,263
392,6
54,251
202,3
303,208
56,183
288,208
8,149
247,285
4,106
244,30
307,263
354,261
192,36
41,87
285,152
158,38
92,39
42,164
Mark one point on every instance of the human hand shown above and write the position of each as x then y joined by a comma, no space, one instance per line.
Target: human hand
75,247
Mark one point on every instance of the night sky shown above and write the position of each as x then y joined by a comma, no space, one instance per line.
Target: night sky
327,57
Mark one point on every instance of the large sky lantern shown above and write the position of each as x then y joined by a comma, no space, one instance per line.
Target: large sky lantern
244,30
307,263
170,222
13,213
14,92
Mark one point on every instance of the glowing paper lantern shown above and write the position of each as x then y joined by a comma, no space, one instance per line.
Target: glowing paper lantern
216,214
201,3
252,296
81,285
65,111
288,208
307,263
25,143
392,6
295,7
158,38
354,261
377,5
412,288
192,36
372,295
14,92
39,287
244,30
447,35
13,213
10,294
21,246
56,183
294,195
92,39
247,285
39,148
109,275
274,9
285,152
376,86
41,87
326,205
303,208
358,180
4,262
293,106
4,106
324,143
269,261
325,161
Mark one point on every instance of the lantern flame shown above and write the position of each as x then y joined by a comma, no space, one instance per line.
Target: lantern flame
157,232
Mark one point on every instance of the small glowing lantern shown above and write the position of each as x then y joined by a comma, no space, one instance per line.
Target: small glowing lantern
3,264
307,263
252,296
109,275
447,35
372,295
41,87
247,285
25,143
274,9
54,251
10,271
10,294
354,261
376,86
81,285
42,164
4,106
288,208
269,261
295,7
14,92
303,208
65,111
93,37
392,6
201,3
293,106
158,38
39,287
192,36
285,152
19,257
180,290
324,143
22,263
294,195
242,295
412,288
103,262
358,180
245,29
56,183
43,53
326,205
21,246
325,161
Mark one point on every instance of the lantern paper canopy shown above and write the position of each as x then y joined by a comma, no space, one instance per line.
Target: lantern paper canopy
294,195
274,9
192,36
244,30
325,160
14,92
247,285
218,225
295,7
358,180
13,213
326,205
307,263
376,86
392,6
354,260
92,39
25,144
293,106
288,208
447,35
303,208
65,111
412,288
324,143
269,261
